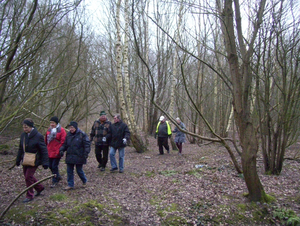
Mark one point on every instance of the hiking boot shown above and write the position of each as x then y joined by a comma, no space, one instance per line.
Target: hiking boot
38,193
102,169
68,188
113,169
121,171
99,166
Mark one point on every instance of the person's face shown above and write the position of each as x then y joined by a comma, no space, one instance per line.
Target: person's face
53,124
116,119
72,129
103,118
178,121
26,128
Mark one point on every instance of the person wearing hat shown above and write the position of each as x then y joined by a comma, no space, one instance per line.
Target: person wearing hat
54,139
163,131
101,134
180,136
32,141
77,148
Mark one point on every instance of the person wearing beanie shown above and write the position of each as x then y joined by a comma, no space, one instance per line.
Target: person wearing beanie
180,136
101,134
32,141
163,131
54,139
77,148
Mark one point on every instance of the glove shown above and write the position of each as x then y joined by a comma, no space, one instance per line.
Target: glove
17,163
61,153
104,139
124,141
45,166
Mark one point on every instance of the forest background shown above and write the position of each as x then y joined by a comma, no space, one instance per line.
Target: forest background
228,69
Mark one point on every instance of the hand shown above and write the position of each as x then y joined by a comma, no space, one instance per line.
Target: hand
155,136
104,139
17,163
45,166
61,153
124,141
169,136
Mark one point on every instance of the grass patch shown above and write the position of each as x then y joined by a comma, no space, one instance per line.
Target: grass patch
150,173
168,172
58,197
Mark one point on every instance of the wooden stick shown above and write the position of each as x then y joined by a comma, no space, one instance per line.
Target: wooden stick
15,199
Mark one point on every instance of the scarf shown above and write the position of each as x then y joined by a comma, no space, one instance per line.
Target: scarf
51,136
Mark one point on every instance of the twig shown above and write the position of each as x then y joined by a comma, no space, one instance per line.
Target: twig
7,208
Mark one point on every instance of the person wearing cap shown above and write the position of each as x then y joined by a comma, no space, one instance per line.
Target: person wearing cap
54,139
120,136
77,148
101,135
180,136
163,131
33,142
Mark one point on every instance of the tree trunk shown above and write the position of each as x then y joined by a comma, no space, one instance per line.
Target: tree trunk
241,81
136,139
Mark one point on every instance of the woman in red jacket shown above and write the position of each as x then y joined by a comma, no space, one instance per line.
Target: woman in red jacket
55,137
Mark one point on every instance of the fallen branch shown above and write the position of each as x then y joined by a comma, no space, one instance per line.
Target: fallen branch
293,159
31,186
1,163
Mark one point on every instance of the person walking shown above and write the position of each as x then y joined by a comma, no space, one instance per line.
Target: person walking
32,141
101,135
77,148
163,132
55,137
120,136
180,136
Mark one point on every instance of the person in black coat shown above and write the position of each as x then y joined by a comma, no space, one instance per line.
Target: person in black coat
33,142
120,136
77,147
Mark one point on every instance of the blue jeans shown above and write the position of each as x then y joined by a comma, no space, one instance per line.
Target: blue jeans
113,161
70,171
53,165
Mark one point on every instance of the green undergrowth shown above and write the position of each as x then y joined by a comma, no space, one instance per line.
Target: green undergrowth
242,214
286,217
71,213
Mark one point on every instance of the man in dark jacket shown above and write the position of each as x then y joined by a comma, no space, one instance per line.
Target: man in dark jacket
163,131
120,136
77,146
33,142
101,134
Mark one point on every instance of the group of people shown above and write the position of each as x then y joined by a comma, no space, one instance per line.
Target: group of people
76,144
163,132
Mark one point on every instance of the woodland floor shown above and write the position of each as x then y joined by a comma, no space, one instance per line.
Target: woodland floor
155,190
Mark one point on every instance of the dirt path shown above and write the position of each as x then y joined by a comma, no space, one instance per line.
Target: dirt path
199,188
